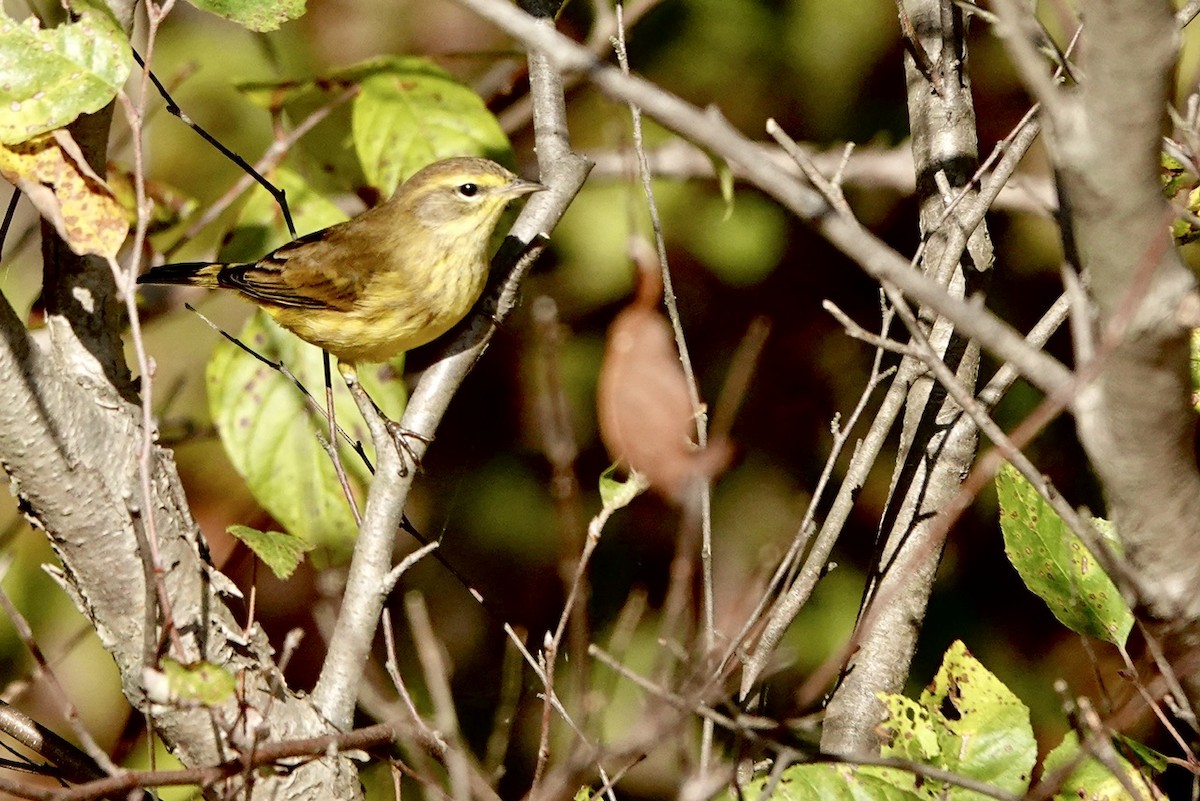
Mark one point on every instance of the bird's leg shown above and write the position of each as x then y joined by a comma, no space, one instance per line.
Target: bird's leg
334,453
399,434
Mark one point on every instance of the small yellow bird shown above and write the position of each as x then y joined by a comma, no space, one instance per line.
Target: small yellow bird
389,280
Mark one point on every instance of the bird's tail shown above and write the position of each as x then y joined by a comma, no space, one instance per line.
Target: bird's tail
192,273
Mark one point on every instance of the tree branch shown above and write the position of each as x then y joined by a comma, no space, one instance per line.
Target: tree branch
1136,420
564,173
937,442
710,130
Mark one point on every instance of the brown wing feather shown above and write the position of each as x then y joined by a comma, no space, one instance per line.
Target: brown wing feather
311,272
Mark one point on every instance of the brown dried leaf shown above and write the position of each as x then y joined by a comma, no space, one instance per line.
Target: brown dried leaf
48,170
645,412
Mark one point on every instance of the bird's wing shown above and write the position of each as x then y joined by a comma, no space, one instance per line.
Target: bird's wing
311,272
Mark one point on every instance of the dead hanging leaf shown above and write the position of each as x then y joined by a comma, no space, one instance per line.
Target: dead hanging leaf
51,172
645,413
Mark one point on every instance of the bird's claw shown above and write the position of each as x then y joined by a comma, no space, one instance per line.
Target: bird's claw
401,437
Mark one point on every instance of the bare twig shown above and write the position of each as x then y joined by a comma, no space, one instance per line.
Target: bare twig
125,280
716,134
703,496
798,590
69,711
437,681
270,159
173,108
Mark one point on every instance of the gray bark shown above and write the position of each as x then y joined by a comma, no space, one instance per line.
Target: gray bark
938,441
1135,420
70,441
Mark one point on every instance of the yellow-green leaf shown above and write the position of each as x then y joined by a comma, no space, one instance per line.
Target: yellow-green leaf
257,15
833,782
966,722
48,77
1091,779
1055,564
77,203
616,494
278,550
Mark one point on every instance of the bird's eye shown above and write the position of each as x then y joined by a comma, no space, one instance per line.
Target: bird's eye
468,190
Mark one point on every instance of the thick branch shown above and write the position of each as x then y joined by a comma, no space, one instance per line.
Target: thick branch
1136,420
937,442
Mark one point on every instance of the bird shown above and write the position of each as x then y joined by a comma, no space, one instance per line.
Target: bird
391,279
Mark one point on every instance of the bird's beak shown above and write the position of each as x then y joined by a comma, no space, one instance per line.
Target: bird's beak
522,187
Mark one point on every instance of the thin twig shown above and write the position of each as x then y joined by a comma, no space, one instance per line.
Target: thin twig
553,642
58,692
286,372
279,194
856,331
125,280
796,594
270,159
700,414
437,682
9,211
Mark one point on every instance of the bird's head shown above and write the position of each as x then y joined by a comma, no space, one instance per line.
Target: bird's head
460,197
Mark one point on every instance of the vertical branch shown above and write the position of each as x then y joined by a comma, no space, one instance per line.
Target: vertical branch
563,172
937,442
1135,420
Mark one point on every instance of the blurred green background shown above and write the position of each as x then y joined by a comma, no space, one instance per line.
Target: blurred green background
830,73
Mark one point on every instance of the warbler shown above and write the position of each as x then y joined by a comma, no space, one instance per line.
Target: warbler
391,279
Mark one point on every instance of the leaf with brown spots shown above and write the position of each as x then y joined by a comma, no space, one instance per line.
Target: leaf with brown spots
1055,564
68,194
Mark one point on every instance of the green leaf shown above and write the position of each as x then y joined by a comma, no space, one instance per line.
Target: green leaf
1155,761
271,433
1174,175
201,682
411,113
1090,779
50,77
268,429
261,227
616,494
966,722
257,15
829,782
407,113
1055,564
278,550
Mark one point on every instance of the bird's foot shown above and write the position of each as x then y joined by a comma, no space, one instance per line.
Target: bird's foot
402,437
